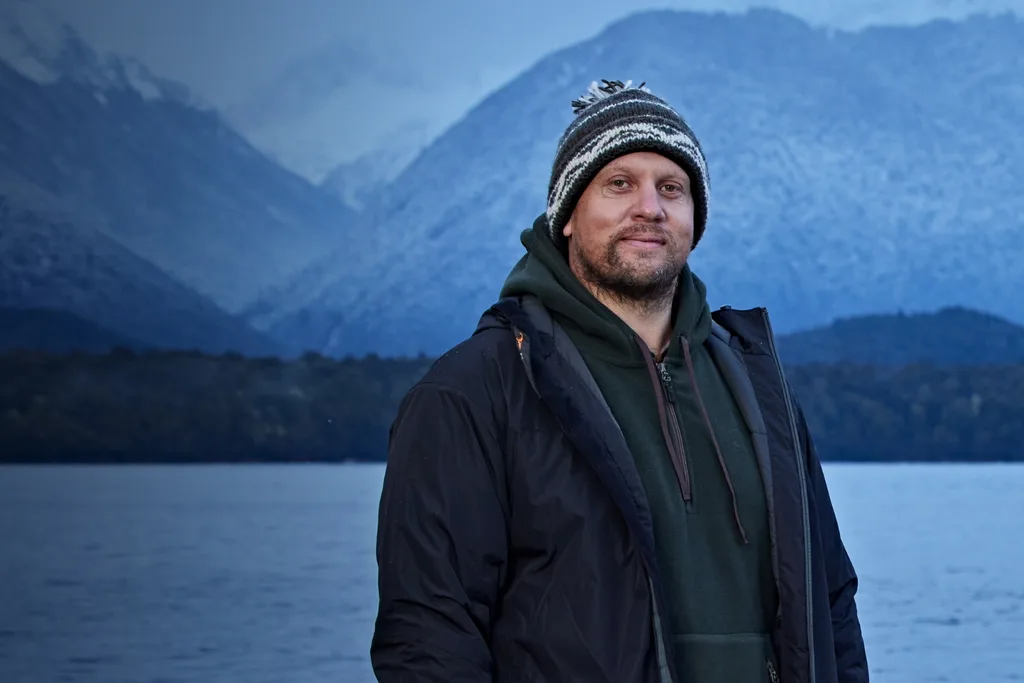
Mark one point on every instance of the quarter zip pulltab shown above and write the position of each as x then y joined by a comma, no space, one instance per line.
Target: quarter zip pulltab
665,396
666,383
677,432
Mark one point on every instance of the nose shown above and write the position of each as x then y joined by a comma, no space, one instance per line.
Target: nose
648,203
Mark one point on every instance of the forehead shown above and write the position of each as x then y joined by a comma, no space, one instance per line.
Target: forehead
644,162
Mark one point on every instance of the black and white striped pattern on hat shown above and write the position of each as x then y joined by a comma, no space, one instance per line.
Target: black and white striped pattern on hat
614,119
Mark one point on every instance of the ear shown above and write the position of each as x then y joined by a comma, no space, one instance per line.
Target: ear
567,230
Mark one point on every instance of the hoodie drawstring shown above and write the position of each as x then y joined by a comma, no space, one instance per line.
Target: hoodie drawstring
707,422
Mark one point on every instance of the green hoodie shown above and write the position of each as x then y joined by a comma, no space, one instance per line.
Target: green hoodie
719,586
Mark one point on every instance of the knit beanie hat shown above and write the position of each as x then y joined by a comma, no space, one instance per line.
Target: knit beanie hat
614,119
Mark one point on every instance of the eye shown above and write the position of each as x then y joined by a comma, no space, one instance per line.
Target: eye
673,188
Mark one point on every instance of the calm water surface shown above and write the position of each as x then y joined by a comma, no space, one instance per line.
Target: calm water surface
267,573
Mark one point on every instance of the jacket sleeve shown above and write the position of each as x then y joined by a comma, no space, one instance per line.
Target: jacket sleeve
851,658
441,541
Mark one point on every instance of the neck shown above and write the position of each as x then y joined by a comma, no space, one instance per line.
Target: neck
650,319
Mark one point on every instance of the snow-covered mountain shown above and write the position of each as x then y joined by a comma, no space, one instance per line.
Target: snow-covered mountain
52,258
852,172
165,175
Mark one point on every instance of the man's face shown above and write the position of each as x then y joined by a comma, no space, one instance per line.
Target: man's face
632,229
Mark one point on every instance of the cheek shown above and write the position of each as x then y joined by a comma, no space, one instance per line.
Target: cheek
683,220
605,226
598,241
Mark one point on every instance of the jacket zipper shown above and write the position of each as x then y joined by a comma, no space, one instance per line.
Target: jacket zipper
800,468
771,671
679,454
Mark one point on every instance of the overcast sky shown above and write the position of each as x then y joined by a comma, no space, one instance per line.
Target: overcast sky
222,48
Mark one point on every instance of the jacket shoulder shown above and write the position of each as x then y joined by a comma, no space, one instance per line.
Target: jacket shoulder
477,367
747,330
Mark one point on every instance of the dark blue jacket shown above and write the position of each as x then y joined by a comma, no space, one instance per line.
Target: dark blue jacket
508,482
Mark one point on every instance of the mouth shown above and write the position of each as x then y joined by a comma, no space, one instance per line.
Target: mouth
644,241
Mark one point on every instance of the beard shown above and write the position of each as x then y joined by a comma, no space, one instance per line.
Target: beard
641,281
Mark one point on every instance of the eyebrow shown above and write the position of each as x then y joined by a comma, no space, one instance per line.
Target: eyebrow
615,167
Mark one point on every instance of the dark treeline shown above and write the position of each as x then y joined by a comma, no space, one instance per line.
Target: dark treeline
190,407
919,412
161,406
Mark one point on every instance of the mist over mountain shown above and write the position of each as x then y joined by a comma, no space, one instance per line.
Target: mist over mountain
345,105
359,181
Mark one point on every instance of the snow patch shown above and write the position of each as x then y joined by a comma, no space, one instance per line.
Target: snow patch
139,78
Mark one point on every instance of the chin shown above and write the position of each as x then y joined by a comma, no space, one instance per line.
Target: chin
643,274
648,263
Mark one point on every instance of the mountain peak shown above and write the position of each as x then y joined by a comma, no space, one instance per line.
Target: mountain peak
43,49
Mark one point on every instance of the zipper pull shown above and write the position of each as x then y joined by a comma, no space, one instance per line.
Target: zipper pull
666,382
771,671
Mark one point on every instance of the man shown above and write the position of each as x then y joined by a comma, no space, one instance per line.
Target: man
607,482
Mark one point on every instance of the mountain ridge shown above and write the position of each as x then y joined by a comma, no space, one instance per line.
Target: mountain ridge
51,257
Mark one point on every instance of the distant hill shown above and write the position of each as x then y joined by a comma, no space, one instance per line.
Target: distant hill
950,336
57,331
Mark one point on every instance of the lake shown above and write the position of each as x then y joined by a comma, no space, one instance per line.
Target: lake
148,574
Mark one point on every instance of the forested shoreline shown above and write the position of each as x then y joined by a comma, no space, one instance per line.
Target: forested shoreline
189,407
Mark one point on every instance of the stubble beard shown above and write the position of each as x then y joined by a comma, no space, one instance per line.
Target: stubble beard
644,287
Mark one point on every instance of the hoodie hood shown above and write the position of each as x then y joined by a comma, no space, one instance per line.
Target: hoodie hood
544,273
